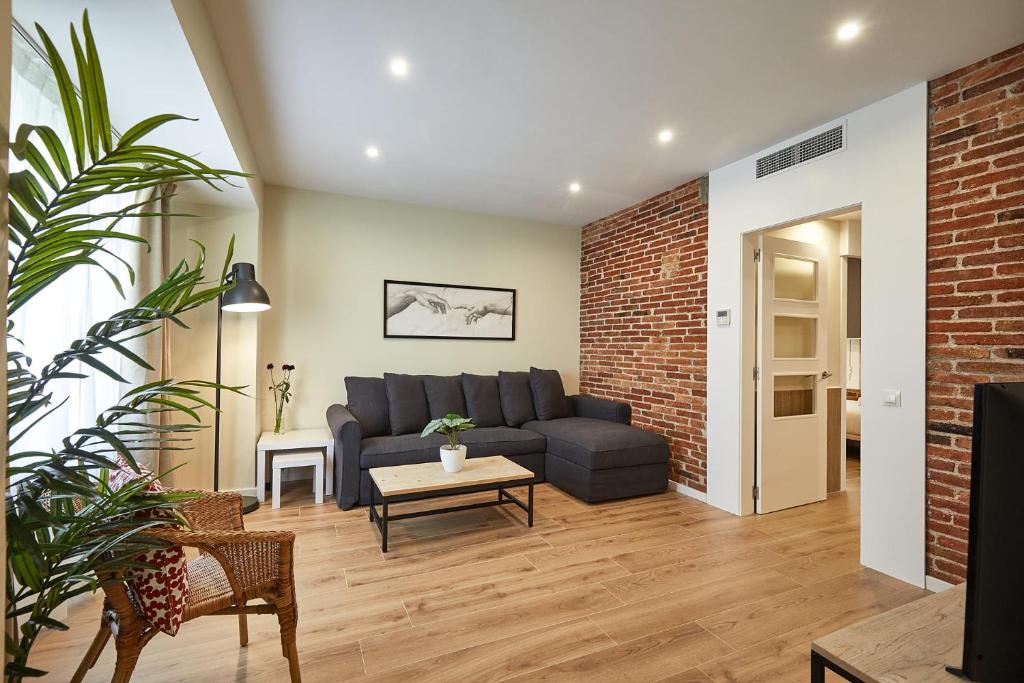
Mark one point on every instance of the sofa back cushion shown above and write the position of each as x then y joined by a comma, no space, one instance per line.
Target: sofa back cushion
368,403
407,403
444,395
483,403
516,398
549,399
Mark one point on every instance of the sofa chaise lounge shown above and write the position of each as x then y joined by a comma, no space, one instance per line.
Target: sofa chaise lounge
581,444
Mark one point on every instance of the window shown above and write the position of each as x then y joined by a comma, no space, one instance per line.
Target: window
63,312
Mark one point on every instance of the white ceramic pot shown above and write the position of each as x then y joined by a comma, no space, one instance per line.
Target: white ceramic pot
452,461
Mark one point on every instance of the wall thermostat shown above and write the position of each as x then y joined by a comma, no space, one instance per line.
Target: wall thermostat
723,317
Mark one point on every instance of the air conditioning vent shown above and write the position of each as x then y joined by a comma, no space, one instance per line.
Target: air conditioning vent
829,141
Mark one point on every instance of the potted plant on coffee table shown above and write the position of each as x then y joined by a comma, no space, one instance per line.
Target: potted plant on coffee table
453,454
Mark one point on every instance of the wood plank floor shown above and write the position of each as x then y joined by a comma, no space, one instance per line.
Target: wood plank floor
663,588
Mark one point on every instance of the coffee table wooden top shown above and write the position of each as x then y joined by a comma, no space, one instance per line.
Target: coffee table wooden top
430,476
913,642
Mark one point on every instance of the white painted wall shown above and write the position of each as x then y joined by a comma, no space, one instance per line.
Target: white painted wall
883,168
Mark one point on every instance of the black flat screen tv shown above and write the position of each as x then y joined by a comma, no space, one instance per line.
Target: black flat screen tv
994,619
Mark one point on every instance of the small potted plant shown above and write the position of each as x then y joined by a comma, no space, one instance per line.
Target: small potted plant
453,454
282,392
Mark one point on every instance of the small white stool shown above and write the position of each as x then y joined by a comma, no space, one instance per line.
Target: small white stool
300,459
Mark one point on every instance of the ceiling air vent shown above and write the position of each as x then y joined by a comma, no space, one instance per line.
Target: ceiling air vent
813,147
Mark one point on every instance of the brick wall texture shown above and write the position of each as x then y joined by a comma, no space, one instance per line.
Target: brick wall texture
643,302
975,276
643,312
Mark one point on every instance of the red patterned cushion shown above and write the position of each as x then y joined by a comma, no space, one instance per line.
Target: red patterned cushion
160,589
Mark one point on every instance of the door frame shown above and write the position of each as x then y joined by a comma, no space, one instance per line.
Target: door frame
749,242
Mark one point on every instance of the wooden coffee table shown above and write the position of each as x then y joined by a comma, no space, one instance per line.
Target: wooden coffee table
403,483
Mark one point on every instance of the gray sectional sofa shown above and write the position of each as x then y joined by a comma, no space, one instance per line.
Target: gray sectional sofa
581,444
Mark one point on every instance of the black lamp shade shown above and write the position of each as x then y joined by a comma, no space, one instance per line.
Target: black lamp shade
246,295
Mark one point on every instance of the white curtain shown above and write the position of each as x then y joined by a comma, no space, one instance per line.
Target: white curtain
64,311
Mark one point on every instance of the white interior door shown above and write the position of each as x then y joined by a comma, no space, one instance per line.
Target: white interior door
792,359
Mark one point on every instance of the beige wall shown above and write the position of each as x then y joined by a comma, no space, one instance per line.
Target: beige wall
324,260
193,350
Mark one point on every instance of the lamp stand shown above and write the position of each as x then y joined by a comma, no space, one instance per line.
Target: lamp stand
249,503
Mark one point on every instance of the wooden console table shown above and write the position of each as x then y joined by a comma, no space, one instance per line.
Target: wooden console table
914,642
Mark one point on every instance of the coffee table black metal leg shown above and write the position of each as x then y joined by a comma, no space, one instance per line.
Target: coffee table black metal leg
817,668
384,527
372,487
529,505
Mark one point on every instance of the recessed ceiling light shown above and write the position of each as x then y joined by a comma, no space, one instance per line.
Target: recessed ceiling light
574,187
848,31
372,152
399,67
665,135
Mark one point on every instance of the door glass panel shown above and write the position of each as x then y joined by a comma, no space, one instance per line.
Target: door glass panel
794,395
795,278
795,337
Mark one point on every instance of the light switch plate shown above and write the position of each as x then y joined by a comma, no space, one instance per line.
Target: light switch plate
892,398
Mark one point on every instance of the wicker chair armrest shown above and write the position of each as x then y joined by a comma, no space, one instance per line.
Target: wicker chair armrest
255,562
199,539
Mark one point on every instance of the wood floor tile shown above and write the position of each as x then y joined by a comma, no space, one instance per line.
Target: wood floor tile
651,658
691,572
504,592
749,624
449,635
393,568
689,604
506,657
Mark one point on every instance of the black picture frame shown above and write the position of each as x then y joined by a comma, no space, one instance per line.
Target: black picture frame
411,283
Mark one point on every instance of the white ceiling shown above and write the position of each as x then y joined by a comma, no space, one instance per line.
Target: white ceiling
507,102
149,69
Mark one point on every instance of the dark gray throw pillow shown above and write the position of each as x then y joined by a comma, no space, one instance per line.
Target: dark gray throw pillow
444,395
549,398
368,403
482,400
516,399
407,403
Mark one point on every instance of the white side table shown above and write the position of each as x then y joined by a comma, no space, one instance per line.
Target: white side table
298,459
292,440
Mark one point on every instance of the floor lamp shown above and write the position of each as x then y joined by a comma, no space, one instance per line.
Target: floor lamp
245,296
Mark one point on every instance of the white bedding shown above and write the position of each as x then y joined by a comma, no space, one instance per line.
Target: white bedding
852,419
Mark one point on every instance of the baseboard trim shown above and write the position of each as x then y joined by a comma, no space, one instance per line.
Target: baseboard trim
936,585
687,491
250,491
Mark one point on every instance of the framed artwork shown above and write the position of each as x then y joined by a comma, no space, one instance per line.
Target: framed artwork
425,310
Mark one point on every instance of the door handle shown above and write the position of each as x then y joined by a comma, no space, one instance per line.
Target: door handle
825,374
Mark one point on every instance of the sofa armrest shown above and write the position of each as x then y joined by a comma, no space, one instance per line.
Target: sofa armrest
348,436
601,409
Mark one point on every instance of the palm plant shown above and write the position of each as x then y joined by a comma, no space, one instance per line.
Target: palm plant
65,525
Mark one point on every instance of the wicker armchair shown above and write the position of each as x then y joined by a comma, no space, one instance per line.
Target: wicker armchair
234,567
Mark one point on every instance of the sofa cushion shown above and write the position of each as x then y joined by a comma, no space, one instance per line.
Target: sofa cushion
516,398
368,403
385,451
484,441
407,449
483,404
599,444
549,399
444,395
407,403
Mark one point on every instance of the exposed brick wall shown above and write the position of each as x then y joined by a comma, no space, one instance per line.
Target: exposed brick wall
975,276
643,312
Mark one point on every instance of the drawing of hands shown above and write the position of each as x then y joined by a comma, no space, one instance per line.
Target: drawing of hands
484,308
400,301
